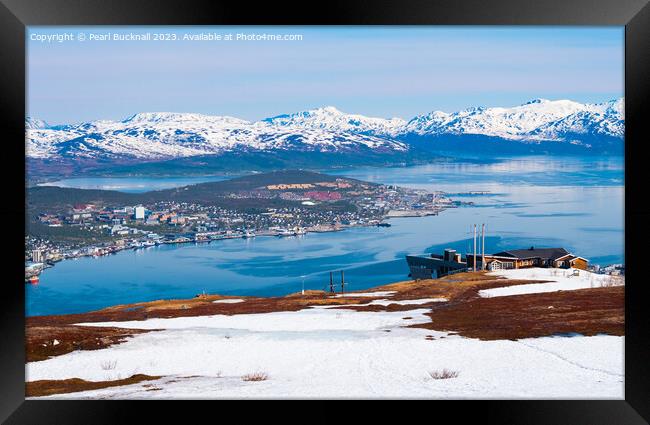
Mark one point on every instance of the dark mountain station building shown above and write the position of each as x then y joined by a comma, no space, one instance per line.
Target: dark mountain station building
450,262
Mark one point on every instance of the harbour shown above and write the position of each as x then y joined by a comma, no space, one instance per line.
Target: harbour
574,203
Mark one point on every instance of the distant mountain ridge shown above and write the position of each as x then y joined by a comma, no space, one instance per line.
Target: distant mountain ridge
159,136
330,118
537,120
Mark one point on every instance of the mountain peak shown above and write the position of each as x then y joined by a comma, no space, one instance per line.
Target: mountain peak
34,123
329,118
179,118
537,100
330,109
157,116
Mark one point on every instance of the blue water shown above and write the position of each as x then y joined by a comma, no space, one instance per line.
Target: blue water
133,184
571,202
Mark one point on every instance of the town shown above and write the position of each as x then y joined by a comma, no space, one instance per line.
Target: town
292,209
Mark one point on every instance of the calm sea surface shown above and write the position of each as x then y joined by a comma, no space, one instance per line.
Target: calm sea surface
575,203
132,184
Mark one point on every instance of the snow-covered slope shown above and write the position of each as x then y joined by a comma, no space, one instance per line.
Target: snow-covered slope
337,353
331,119
33,123
170,135
164,135
557,280
605,119
539,119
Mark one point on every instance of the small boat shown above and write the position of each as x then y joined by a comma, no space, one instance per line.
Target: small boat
33,280
383,224
248,234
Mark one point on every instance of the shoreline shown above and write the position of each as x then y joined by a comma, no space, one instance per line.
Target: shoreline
115,249
458,287
208,241
447,309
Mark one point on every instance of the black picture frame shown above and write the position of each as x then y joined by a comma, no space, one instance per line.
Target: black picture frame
15,15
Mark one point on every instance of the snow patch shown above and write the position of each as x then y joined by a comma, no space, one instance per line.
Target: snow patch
560,280
408,302
366,294
313,319
229,301
324,353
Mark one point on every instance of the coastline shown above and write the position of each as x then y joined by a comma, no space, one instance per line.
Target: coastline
99,251
114,249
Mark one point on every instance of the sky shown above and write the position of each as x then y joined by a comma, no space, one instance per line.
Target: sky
374,71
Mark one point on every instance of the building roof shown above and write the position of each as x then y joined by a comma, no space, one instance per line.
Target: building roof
532,252
433,262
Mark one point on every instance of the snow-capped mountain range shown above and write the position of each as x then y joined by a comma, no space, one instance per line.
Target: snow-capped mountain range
537,120
159,136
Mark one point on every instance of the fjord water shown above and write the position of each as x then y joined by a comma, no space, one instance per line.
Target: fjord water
576,203
132,184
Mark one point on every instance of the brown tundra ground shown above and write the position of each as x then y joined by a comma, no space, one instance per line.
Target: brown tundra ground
584,311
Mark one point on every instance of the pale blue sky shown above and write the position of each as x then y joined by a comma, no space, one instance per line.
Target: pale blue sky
374,71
